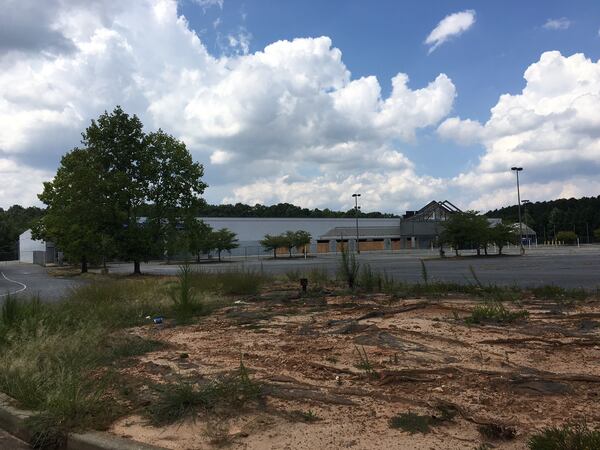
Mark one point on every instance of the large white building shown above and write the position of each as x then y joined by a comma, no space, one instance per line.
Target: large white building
34,251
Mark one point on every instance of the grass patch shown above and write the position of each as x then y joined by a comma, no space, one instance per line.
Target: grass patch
567,437
232,282
178,401
411,422
62,359
494,312
559,294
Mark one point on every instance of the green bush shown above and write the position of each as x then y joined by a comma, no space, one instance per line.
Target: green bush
567,437
569,237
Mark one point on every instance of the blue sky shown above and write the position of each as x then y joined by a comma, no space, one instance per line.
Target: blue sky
293,100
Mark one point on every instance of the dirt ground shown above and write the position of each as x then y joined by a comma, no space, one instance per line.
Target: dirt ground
422,358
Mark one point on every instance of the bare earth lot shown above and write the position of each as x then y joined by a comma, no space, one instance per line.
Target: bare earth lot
422,358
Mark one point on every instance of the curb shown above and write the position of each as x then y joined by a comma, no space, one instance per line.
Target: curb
12,420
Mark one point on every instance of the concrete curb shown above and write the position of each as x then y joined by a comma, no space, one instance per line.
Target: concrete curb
12,420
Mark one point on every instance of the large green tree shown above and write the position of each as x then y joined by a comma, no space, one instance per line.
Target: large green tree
466,230
136,188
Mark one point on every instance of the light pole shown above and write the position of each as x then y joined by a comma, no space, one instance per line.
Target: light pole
356,213
525,202
517,170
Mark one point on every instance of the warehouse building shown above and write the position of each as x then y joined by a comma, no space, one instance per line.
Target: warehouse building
414,230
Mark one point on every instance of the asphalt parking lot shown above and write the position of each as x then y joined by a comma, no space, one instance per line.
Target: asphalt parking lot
568,267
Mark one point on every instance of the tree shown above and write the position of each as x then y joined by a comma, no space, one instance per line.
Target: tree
271,242
197,237
295,239
569,237
302,239
502,234
463,230
120,172
223,239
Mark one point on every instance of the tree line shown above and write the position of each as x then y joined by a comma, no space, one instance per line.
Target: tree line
549,218
13,221
290,239
282,210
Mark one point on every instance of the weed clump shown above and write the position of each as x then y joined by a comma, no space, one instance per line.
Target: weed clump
185,399
494,312
567,437
411,422
349,267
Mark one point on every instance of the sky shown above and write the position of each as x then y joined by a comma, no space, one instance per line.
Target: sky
309,101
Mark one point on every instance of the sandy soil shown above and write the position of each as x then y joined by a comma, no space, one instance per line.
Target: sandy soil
304,350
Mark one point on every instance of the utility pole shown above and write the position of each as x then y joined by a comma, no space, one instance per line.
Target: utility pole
517,170
356,213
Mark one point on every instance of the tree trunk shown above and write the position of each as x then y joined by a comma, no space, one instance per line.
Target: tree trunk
478,251
456,251
84,265
485,250
136,267
198,257
219,255
290,250
274,253
500,249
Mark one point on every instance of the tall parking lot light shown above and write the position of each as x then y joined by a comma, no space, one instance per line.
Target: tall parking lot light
356,213
517,170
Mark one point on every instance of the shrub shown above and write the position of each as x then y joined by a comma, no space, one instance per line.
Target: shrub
570,237
567,437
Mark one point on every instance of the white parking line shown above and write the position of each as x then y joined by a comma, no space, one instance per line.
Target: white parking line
13,281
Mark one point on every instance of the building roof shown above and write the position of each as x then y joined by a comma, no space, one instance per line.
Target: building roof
434,211
363,233
527,231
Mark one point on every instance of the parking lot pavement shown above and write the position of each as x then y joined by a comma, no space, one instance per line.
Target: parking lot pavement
570,267
30,280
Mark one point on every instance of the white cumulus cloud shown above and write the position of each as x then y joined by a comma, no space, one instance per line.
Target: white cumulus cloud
450,26
551,129
557,24
289,111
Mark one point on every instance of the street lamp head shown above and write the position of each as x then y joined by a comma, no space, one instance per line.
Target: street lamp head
525,201
516,168
355,195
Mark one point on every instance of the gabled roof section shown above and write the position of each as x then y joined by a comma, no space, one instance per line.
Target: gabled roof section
435,211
